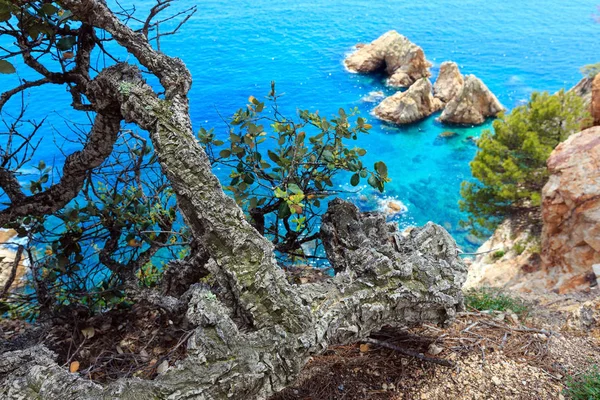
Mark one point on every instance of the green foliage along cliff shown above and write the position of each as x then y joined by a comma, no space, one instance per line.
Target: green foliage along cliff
510,165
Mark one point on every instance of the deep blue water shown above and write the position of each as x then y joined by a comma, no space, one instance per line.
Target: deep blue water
234,49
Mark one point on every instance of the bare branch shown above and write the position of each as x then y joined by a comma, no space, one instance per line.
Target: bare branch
13,272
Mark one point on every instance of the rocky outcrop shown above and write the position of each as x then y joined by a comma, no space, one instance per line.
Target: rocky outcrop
571,208
473,103
508,260
449,81
595,101
410,106
583,89
588,89
403,61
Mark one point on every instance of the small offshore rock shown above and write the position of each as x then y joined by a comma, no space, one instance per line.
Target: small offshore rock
410,106
374,97
448,135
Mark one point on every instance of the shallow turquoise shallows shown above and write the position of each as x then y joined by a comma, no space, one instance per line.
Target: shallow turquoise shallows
235,48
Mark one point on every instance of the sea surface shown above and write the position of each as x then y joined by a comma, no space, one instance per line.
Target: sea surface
236,48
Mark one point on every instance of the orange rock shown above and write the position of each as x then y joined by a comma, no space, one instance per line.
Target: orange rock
571,210
595,107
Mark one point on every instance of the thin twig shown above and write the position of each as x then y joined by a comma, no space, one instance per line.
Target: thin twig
13,272
410,353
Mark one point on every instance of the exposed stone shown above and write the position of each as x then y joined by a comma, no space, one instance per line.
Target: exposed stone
449,81
403,61
588,89
448,135
515,271
391,207
434,349
410,106
583,89
374,97
595,103
571,209
473,103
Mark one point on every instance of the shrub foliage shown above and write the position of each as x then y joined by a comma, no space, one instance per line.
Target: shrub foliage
510,165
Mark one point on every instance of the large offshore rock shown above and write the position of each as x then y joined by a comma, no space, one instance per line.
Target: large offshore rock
571,209
473,103
383,278
403,61
410,106
449,82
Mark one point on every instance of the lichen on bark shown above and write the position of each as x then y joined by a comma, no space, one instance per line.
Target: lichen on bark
252,338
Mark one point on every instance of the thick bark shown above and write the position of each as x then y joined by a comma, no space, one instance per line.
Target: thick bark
254,338
403,281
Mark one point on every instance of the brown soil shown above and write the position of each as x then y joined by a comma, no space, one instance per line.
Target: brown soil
126,342
494,358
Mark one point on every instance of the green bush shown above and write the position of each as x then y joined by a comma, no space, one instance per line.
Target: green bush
510,165
520,247
585,386
284,170
484,299
498,254
590,70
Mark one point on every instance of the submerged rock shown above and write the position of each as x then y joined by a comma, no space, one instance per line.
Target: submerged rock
403,61
447,135
410,106
391,207
374,97
473,103
449,81
571,209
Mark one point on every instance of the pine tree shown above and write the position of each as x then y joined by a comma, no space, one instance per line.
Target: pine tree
510,165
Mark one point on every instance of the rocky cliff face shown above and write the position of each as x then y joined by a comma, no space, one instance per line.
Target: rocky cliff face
473,103
508,260
583,89
588,89
449,82
595,101
410,106
403,61
571,207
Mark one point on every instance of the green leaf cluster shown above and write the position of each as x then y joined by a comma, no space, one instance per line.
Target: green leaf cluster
46,24
510,165
282,169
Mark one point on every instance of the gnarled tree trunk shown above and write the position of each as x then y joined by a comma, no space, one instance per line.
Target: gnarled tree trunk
252,340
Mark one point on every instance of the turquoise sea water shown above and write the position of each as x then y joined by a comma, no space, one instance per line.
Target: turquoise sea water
234,49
